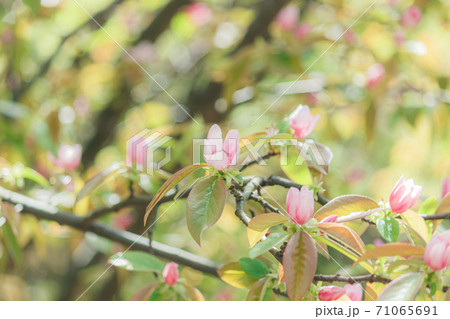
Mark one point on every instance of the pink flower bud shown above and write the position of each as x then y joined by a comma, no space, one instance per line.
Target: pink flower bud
218,154
375,75
287,18
329,219
437,252
445,186
411,17
354,291
300,204
302,122
404,195
199,13
69,157
330,293
170,273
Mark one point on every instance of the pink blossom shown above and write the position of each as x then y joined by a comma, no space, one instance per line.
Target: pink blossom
300,204
437,252
302,30
354,291
69,156
287,18
445,186
199,13
330,293
329,219
218,154
302,122
170,273
404,195
375,75
411,17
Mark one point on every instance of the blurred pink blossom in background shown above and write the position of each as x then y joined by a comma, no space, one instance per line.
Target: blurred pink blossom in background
287,18
375,75
199,13
411,17
69,156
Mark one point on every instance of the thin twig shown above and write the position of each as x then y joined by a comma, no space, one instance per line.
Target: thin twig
258,160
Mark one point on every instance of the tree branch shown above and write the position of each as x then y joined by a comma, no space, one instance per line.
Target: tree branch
45,211
286,183
241,197
259,27
257,161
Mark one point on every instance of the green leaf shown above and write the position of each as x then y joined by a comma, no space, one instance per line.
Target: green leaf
233,275
295,167
97,180
259,225
204,205
31,174
273,240
428,207
299,262
253,267
34,5
283,126
404,288
12,244
169,184
404,262
388,228
136,261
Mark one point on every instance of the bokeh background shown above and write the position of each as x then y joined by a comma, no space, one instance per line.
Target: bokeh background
382,88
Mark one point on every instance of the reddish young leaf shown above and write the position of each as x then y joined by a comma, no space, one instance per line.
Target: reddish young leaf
299,262
145,293
344,234
346,204
258,291
171,182
395,249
